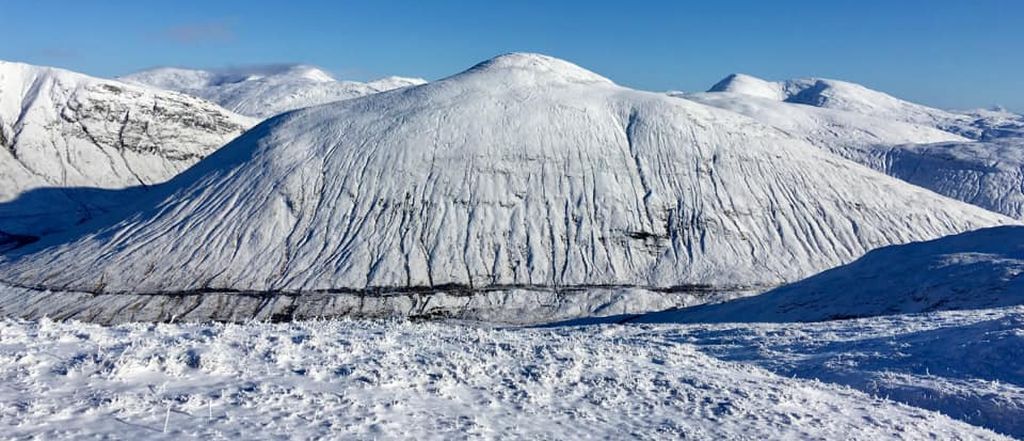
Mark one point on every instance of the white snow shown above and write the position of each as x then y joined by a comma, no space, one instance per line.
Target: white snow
66,137
968,365
855,98
523,171
973,270
264,91
374,380
984,173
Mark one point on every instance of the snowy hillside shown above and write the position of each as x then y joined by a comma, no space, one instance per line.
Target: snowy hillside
978,269
852,135
400,380
523,171
266,91
851,97
61,132
988,174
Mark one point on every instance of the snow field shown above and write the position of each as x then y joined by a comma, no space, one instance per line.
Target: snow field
374,380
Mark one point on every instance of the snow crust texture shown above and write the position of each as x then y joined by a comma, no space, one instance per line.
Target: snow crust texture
64,137
973,270
265,91
399,380
522,171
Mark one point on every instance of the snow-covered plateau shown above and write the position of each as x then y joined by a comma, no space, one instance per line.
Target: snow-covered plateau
856,379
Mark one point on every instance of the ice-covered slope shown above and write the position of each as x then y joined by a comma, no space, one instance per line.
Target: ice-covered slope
522,171
973,270
61,132
265,91
852,97
985,173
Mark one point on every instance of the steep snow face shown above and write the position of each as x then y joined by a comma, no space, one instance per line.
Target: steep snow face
974,270
63,129
855,98
265,91
522,171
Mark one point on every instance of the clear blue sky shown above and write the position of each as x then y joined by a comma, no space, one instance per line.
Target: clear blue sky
947,53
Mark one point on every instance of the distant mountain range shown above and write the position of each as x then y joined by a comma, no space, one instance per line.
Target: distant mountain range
976,156
264,91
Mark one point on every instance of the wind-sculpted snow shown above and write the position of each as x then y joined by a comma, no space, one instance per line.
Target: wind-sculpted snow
524,171
399,380
984,173
974,270
64,137
855,98
266,91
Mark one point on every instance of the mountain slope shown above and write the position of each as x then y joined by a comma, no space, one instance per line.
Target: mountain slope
848,134
263,92
989,174
984,173
60,130
523,171
855,98
973,270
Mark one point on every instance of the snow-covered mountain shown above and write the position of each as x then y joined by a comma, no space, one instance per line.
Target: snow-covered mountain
264,91
904,145
989,174
852,135
523,171
855,98
66,137
973,270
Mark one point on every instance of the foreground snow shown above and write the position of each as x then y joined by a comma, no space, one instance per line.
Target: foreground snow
966,364
434,380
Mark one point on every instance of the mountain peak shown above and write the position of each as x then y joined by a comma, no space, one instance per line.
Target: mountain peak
748,85
537,66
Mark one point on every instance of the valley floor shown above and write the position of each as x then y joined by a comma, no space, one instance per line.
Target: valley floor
909,377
